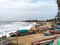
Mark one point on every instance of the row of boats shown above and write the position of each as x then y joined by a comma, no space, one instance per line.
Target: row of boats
37,28
57,29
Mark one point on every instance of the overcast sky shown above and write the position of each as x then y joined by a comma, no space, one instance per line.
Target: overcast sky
16,10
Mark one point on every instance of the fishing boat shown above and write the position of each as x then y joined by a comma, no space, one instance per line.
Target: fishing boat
48,41
57,29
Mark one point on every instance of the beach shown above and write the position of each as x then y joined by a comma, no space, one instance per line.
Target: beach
29,22
29,39
41,32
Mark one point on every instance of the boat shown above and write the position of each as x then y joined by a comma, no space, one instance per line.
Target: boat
13,34
48,41
57,29
23,32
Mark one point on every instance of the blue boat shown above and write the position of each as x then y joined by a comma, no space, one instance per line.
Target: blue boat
23,32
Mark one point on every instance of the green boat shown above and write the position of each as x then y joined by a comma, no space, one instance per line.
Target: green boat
23,32
58,41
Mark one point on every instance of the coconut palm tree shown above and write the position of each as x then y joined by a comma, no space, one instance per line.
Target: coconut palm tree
58,15
58,3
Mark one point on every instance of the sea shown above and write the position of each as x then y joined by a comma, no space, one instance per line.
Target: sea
7,27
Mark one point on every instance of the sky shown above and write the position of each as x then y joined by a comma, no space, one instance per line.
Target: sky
17,10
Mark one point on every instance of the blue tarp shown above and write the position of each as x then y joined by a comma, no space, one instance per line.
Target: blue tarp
23,31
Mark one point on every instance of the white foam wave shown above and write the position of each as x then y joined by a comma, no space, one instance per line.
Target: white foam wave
12,27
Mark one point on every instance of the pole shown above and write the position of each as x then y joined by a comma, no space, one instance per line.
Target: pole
17,40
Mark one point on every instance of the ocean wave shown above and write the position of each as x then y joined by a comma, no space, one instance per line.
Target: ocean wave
14,26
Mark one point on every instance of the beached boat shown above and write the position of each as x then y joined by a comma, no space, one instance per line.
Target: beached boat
23,32
13,34
57,29
55,32
48,41
58,41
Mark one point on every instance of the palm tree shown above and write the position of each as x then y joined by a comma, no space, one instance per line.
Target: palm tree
58,15
58,3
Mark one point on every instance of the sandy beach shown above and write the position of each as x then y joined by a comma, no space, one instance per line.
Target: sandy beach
29,39
40,31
